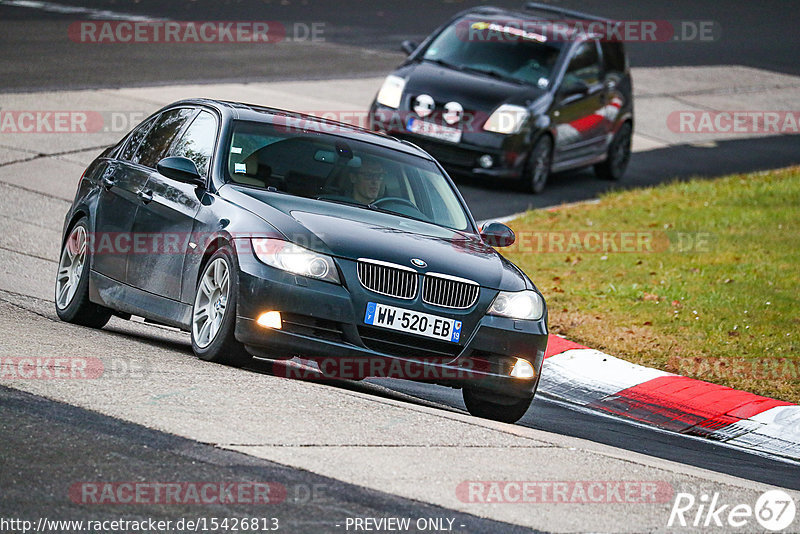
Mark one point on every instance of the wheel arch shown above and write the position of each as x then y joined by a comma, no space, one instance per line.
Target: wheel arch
549,132
212,247
79,213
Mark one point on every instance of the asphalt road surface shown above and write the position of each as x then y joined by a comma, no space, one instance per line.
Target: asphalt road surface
48,448
359,39
38,53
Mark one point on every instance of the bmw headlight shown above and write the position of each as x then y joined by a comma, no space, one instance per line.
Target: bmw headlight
506,119
518,305
295,259
391,91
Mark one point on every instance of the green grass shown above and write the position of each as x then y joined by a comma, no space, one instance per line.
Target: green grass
726,312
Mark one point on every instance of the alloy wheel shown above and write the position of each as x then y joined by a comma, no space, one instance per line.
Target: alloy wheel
211,302
70,267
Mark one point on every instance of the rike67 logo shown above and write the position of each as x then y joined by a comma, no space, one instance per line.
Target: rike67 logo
774,510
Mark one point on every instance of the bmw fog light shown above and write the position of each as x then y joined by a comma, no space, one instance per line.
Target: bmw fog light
270,319
523,369
486,161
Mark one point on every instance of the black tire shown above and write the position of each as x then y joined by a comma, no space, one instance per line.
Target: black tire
618,156
537,171
77,308
222,346
509,410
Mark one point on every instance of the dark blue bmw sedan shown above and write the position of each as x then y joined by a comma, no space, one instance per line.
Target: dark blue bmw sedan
271,234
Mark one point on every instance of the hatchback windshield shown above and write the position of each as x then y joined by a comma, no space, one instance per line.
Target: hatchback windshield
331,168
498,48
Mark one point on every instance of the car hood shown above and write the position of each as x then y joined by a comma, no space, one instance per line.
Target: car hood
475,92
352,232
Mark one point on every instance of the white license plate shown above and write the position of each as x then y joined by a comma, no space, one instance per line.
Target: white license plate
431,129
422,324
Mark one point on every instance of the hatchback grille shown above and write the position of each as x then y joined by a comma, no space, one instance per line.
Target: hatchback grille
388,279
449,292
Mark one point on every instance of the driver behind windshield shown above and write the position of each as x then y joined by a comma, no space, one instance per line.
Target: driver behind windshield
367,181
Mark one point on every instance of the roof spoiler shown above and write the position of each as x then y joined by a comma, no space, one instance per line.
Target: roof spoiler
545,8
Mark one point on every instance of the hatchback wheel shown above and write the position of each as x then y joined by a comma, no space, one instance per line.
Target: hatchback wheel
214,312
72,281
538,169
504,409
619,154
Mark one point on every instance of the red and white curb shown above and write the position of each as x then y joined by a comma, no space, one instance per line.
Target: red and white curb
589,378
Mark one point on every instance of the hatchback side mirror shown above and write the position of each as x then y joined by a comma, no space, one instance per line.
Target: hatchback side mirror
497,235
408,47
575,87
182,170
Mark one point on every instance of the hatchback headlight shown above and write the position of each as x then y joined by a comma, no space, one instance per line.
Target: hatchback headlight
519,305
506,119
295,259
391,92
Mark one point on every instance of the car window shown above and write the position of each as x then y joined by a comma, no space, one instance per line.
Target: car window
135,139
584,65
495,47
613,56
331,168
197,142
157,141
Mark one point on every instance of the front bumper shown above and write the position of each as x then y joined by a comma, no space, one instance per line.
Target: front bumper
323,321
508,152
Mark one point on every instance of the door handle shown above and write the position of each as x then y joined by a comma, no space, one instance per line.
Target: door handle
145,196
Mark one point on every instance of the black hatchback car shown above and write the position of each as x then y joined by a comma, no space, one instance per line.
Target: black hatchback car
278,235
513,95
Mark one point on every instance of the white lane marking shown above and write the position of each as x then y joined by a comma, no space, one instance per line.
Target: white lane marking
52,7
587,375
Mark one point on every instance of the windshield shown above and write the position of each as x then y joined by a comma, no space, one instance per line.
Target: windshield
330,168
501,49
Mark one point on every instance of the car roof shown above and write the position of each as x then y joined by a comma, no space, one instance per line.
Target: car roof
256,113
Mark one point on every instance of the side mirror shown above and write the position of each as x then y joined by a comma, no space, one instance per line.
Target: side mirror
181,170
575,87
408,47
497,235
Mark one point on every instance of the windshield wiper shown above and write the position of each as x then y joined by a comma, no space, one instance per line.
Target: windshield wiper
443,63
493,74
347,202
392,212
372,207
